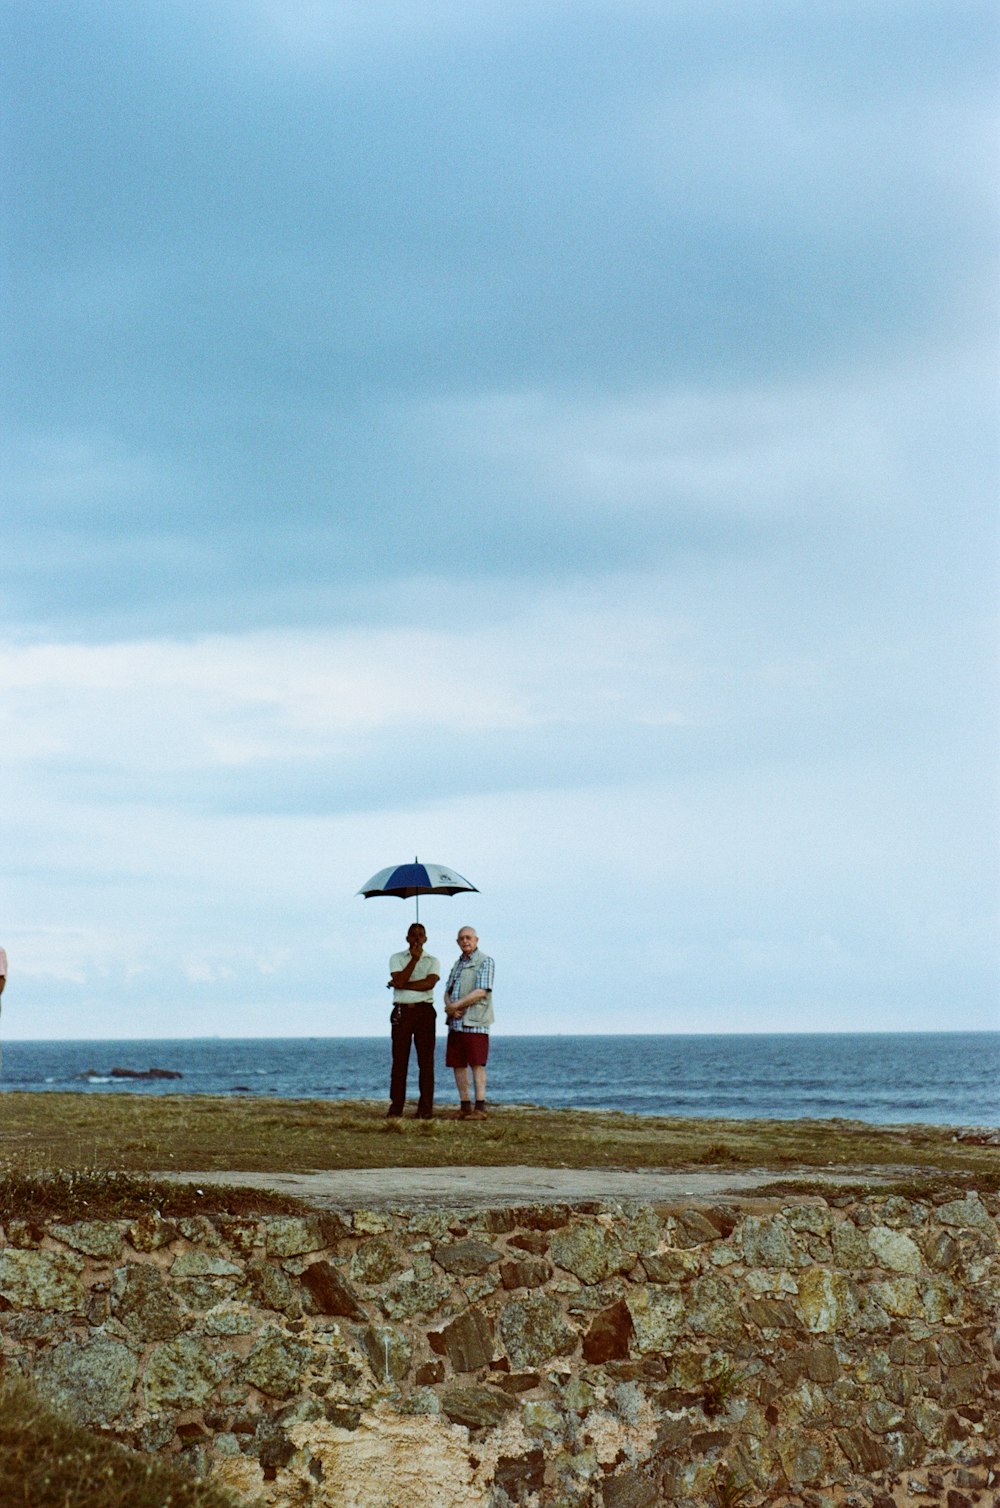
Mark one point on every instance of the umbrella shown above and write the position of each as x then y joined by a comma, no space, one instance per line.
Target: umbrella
415,879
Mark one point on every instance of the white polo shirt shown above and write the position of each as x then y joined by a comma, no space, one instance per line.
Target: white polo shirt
427,965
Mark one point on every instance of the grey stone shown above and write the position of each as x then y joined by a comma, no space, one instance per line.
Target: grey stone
375,1260
199,1230
712,1309
882,1416
225,1321
203,1264
181,1374
407,1296
695,1227
589,1251
943,1251
389,1353
465,1258
243,1234
865,1455
816,1219
277,1362
657,1318
772,1314
479,1407
271,1287
850,1246
671,1266
91,1381
43,1280
292,1235
534,1329
969,1213
768,1243
142,1302
641,1229
151,1232
895,1250
629,1488
97,1238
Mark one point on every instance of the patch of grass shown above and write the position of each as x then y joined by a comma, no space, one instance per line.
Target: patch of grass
729,1489
46,1461
728,1382
70,1194
137,1133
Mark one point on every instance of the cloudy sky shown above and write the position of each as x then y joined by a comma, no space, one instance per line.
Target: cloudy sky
556,438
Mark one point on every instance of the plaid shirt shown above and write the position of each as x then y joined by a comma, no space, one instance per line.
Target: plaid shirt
483,981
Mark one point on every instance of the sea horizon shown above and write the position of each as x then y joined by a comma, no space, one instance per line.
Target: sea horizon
939,1078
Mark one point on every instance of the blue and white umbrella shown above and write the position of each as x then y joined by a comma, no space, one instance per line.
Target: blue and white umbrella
416,879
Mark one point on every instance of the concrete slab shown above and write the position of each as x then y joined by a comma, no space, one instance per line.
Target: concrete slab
477,1188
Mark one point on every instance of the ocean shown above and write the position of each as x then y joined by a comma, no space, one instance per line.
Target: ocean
938,1078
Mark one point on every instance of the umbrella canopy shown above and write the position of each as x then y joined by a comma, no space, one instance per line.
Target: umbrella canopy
415,879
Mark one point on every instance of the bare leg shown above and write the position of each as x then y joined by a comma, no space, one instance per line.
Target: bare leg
462,1083
479,1079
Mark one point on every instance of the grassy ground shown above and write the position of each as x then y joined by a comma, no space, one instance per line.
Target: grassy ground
48,1462
44,1133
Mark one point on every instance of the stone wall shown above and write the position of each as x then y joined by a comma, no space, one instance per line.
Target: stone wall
606,1355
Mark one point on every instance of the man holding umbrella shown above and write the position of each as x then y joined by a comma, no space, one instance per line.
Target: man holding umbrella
412,976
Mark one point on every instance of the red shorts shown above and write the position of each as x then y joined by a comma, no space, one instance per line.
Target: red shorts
467,1050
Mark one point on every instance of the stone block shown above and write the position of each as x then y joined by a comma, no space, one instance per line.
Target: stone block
525,1273
671,1266
270,1287
330,1293
389,1352
657,1317
203,1264
180,1374
865,1454
143,1303
47,1280
151,1232
608,1335
292,1235
589,1251
96,1238
466,1258
408,1297
478,1407
520,1476
91,1381
895,1250
535,1329
277,1363
767,1242
468,1341
375,1260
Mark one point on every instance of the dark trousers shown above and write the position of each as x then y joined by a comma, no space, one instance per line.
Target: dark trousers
416,1024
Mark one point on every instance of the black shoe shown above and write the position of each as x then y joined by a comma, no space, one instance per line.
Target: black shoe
424,1115
392,1115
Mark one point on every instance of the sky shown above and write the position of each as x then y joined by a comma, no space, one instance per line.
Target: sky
554,439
